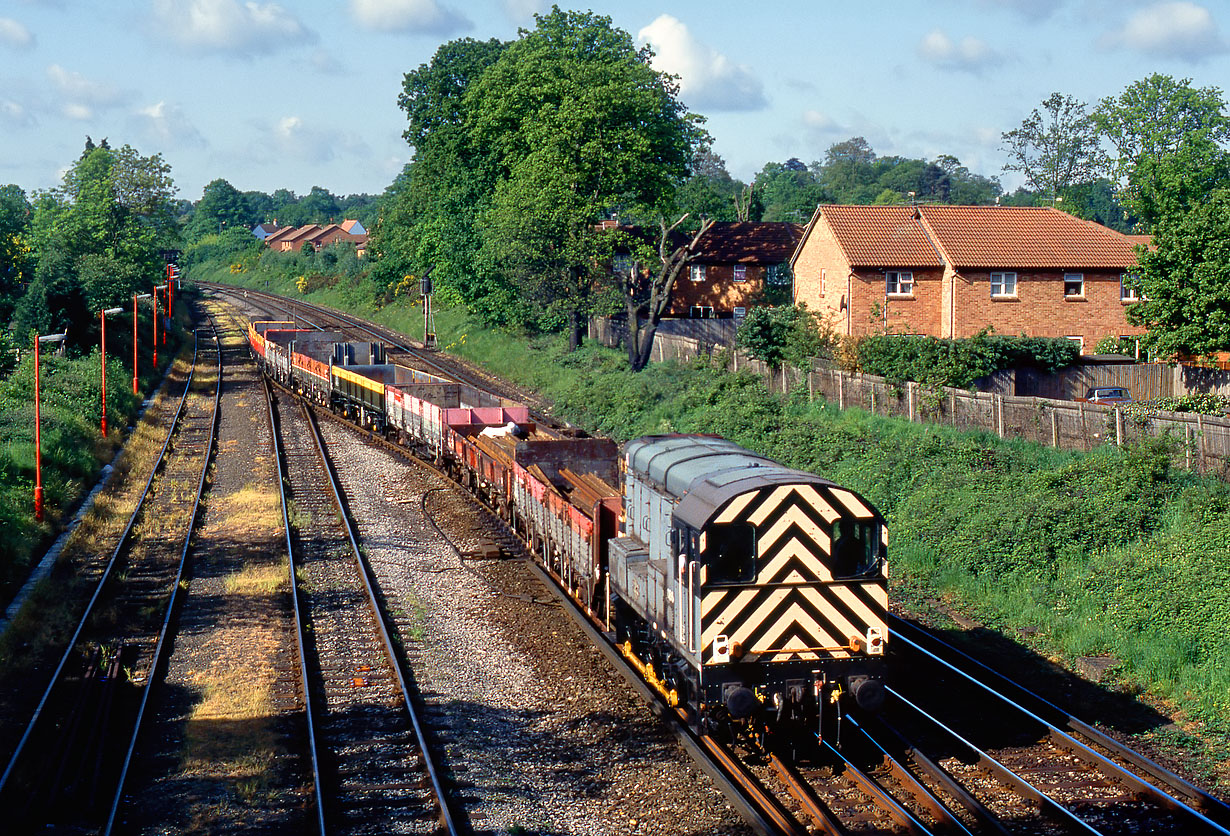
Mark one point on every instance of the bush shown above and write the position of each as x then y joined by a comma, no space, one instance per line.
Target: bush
789,333
957,362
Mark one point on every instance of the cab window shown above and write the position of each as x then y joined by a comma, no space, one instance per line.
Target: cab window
856,547
732,553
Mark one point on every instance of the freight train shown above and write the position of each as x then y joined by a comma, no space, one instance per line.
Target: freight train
751,596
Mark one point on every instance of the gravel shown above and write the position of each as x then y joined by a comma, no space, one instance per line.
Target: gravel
540,733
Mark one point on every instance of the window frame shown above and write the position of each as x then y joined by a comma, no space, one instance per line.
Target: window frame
1126,293
1080,341
696,272
1002,283
739,272
1077,279
904,282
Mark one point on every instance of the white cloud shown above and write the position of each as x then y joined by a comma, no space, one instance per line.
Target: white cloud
520,11
80,97
1031,9
970,55
16,114
420,16
707,79
292,137
169,126
1181,30
820,122
228,26
15,34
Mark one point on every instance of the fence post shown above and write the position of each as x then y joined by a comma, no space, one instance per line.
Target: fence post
1118,427
909,398
1200,430
999,421
952,405
873,399
841,390
811,387
1187,444
1084,429
1054,428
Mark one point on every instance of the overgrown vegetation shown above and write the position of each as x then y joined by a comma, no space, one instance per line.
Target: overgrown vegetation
957,362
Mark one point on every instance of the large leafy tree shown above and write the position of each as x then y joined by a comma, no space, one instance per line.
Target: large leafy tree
15,261
430,212
1056,147
1185,281
97,237
221,205
582,128
1169,143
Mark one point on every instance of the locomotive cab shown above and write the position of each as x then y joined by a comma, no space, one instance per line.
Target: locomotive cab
756,592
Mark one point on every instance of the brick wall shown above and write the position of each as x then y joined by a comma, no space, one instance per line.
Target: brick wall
918,313
1040,309
820,273
719,290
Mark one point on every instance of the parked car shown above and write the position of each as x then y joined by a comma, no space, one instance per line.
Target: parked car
1107,395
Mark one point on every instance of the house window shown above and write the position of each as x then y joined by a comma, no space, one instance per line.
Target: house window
697,272
621,264
1080,343
1073,285
1129,287
779,274
740,272
899,283
1003,284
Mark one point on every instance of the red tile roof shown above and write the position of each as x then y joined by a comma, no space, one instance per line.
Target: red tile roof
749,242
975,236
1024,236
878,236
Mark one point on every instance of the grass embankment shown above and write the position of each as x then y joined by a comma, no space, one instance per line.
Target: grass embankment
73,449
1110,553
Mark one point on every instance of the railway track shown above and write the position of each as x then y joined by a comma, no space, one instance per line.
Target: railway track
927,776
373,770
480,389
67,771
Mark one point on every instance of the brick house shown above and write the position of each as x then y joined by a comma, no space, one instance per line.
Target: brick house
293,239
950,271
734,266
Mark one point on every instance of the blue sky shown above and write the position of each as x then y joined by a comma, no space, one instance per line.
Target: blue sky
303,93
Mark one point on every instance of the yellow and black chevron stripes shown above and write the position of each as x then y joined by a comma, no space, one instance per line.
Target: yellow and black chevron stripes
793,524
785,623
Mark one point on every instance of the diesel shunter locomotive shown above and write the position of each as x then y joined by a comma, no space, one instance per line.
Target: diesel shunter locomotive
751,596
758,592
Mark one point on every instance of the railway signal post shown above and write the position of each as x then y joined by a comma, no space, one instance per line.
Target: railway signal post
38,437
102,321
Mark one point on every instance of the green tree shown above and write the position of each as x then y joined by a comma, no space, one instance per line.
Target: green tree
710,191
430,212
786,192
221,205
789,333
15,261
1056,148
582,128
1169,144
1185,281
